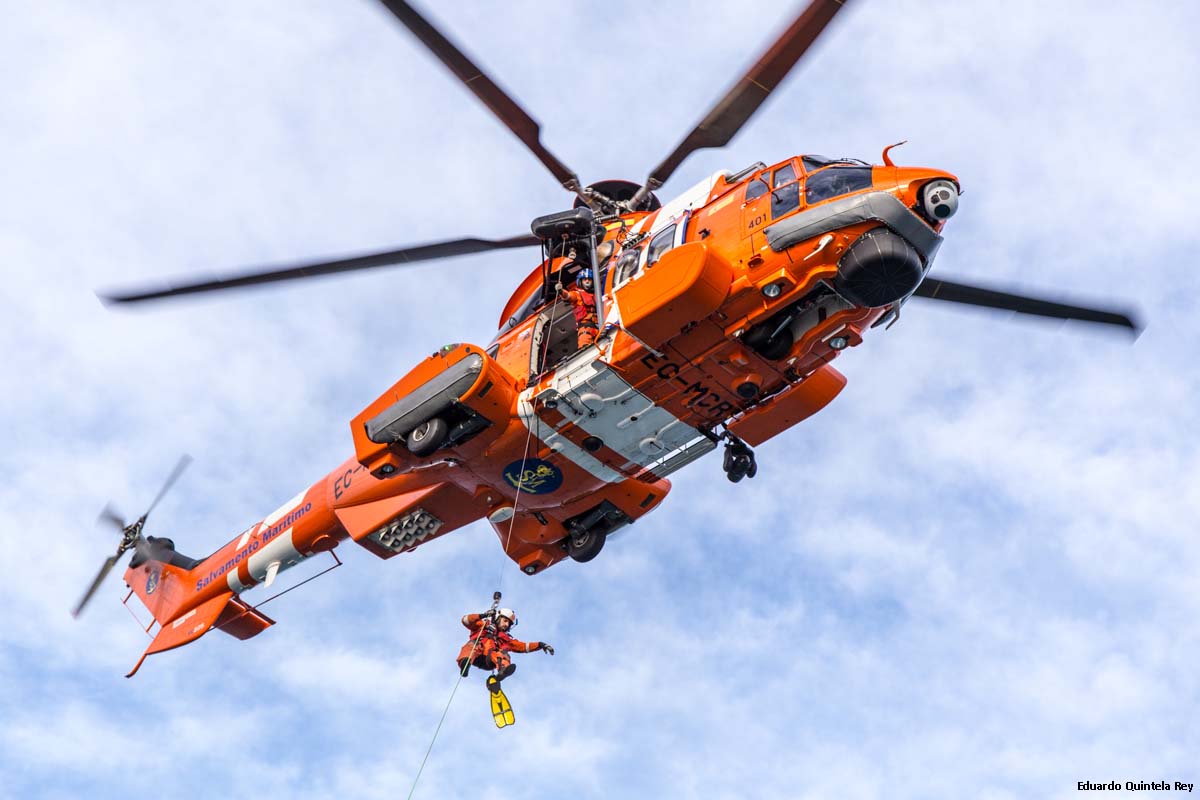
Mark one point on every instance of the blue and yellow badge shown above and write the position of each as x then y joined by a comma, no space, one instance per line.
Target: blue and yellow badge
533,476
152,581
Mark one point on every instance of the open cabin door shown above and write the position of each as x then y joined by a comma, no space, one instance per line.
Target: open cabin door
554,337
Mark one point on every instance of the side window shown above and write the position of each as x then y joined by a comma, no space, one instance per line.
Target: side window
785,199
663,241
783,175
786,195
756,188
627,266
524,312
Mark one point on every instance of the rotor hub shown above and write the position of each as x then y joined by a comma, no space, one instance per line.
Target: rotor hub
618,191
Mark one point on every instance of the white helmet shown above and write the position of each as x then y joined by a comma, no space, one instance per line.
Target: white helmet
509,614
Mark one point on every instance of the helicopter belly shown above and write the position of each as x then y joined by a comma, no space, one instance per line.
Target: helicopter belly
590,415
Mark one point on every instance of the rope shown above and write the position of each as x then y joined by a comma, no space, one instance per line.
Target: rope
445,711
500,578
479,635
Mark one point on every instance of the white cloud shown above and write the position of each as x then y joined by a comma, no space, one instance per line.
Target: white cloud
973,573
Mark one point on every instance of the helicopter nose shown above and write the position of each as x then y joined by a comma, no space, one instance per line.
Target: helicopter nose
939,199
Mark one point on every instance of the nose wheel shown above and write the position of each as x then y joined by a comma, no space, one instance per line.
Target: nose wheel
739,459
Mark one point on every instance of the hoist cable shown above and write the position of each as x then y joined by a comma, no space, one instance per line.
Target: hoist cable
445,711
508,539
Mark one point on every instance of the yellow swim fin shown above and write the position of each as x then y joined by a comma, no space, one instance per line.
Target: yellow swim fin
501,710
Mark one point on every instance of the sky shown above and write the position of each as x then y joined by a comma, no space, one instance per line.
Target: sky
974,574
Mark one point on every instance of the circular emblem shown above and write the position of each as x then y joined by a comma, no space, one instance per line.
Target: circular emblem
533,476
152,581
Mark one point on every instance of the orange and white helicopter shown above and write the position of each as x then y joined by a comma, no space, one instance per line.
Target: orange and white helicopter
719,315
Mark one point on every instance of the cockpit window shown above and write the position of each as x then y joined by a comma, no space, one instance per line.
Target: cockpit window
527,308
627,266
663,241
785,197
835,181
783,175
814,163
756,188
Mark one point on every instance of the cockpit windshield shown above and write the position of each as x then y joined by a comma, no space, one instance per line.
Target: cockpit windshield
814,163
834,181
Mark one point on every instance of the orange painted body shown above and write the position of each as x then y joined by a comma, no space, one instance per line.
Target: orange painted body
594,433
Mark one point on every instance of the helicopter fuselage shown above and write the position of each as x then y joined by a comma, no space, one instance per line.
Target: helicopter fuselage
723,311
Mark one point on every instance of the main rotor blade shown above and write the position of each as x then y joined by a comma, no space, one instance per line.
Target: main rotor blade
506,109
407,255
182,464
104,570
949,291
733,110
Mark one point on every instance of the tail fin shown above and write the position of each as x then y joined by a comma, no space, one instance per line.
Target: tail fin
161,586
187,627
166,587
160,576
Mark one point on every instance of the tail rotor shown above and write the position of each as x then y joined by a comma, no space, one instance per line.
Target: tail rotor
131,534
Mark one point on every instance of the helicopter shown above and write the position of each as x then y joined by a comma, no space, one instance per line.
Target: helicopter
718,315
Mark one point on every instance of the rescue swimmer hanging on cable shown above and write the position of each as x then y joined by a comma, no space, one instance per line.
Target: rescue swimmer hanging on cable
490,645
489,648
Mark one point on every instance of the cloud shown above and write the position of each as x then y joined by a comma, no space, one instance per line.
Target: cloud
973,572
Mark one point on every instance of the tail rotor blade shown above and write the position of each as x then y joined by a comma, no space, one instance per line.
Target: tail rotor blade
131,535
109,563
184,460
110,516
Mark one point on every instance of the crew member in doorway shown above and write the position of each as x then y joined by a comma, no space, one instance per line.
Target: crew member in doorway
583,302
491,643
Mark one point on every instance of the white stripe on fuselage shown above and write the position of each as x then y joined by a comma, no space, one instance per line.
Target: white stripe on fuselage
602,404
280,549
594,398
283,510
695,197
561,444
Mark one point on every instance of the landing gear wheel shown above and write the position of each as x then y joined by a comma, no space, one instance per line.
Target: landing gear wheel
427,437
778,346
585,546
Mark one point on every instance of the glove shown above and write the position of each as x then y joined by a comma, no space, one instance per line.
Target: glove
546,646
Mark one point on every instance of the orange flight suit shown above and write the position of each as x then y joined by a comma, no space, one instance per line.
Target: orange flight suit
583,303
493,646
